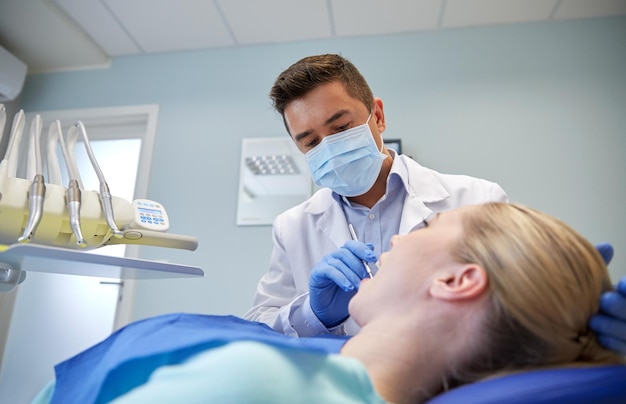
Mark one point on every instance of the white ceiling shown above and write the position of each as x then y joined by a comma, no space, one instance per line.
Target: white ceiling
53,35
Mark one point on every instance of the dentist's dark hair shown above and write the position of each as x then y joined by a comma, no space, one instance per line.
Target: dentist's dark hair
311,72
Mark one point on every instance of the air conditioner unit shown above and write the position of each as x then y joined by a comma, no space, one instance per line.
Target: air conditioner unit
12,75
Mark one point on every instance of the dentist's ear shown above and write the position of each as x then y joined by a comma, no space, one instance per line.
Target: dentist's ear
468,281
379,115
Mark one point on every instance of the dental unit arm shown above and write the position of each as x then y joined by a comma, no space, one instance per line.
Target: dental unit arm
53,216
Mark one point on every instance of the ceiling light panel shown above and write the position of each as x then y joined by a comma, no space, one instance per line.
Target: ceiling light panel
571,9
373,17
172,25
459,13
271,21
100,25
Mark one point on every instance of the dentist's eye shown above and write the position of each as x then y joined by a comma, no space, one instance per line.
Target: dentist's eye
312,143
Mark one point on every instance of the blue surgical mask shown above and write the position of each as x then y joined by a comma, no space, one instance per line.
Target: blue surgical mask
347,162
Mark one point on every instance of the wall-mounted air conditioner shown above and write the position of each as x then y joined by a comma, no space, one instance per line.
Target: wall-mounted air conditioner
12,75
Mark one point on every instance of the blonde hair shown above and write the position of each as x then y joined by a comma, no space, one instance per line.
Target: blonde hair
545,282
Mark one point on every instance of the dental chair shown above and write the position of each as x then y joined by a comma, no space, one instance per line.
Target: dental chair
605,385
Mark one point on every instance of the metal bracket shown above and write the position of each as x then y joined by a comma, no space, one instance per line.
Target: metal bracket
10,277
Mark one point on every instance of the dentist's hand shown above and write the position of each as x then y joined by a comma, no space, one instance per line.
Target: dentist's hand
610,323
335,279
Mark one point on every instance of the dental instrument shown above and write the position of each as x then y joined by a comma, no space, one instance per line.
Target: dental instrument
59,224
41,220
3,119
105,194
73,197
37,191
354,237
8,166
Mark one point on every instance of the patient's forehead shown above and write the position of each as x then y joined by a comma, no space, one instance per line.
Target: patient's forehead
450,217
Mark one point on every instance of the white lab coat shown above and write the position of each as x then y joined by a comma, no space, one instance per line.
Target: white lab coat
304,234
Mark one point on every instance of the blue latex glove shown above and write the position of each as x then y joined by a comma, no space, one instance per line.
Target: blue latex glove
610,323
606,251
335,279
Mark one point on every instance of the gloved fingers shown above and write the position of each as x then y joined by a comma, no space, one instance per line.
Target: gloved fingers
606,329
621,286
342,267
606,251
612,344
614,304
345,259
361,250
351,269
337,272
607,326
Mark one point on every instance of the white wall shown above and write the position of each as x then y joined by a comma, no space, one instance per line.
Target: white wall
539,108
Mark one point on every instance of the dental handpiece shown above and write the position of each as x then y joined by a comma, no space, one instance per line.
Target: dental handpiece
73,209
107,206
36,197
354,237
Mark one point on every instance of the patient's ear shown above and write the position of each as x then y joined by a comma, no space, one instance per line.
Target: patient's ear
466,282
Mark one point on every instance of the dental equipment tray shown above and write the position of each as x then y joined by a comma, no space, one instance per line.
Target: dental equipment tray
39,258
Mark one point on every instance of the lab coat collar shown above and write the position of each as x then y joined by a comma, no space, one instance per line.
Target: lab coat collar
419,182
422,188
327,211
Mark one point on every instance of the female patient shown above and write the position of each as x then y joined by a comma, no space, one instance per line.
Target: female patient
481,291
